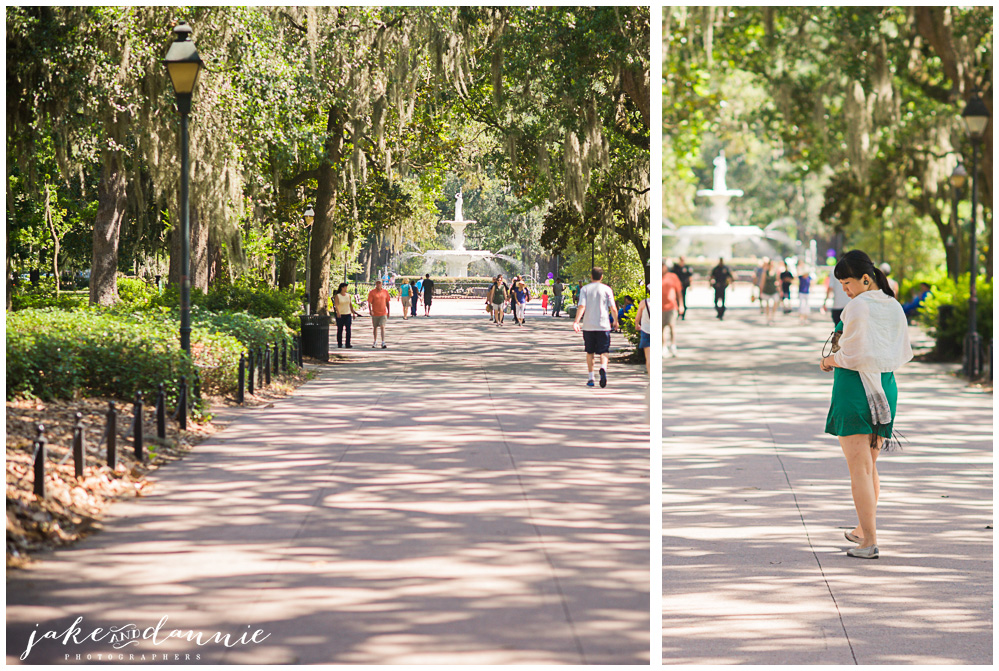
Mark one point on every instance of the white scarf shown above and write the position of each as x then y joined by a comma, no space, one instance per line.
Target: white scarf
875,340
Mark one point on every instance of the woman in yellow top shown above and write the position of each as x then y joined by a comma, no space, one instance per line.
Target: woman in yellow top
345,312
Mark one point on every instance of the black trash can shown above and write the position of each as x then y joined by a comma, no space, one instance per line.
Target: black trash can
316,336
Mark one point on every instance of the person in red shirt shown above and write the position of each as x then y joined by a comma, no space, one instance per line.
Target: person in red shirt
672,302
378,308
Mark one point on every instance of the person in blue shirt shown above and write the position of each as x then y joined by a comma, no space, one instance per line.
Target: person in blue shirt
911,309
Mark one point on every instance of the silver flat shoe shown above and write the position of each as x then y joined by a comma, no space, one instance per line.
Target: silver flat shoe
864,553
853,539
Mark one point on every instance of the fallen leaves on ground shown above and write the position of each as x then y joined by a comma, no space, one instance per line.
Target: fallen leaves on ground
73,507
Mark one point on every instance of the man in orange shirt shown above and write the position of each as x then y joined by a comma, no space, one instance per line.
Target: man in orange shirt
672,293
378,308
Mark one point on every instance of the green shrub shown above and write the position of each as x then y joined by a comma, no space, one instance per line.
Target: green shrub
30,297
254,298
60,354
949,335
132,291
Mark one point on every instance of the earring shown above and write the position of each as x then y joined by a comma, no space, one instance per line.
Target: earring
865,283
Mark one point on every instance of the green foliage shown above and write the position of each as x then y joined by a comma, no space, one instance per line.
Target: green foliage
253,297
30,297
115,352
132,291
60,354
950,332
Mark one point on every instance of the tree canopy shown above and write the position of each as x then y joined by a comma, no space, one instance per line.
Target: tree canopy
365,113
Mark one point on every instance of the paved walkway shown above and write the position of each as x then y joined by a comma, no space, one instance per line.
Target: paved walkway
756,498
460,497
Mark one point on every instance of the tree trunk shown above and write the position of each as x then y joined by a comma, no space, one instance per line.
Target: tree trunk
287,271
199,251
214,260
55,238
173,276
322,225
111,202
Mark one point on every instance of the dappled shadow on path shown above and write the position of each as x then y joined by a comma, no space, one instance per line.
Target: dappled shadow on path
757,496
404,508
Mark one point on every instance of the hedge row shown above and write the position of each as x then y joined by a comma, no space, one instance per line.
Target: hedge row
61,354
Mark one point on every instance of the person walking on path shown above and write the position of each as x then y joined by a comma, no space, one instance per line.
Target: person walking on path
519,297
768,291
404,298
557,290
544,302
644,329
378,307
428,294
598,314
804,287
886,269
786,278
497,298
343,307
874,342
414,296
672,299
839,296
683,271
721,278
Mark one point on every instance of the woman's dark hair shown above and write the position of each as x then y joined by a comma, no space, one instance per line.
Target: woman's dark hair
342,285
855,264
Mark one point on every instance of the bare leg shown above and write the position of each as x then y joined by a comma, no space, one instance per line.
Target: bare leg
860,459
589,361
857,531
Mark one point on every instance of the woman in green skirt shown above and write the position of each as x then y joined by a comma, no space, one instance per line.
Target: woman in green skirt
873,343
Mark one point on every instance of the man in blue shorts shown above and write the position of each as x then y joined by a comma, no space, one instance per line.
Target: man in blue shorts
598,314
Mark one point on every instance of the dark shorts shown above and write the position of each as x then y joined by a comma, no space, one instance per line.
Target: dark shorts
427,300
644,340
596,342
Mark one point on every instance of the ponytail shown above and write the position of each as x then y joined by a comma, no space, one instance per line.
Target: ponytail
882,281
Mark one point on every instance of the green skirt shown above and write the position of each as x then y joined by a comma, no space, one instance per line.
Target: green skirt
849,413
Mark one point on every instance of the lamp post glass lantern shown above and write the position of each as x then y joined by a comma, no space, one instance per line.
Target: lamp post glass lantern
976,119
183,64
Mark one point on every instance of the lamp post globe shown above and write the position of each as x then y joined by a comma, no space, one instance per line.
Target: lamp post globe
183,65
976,120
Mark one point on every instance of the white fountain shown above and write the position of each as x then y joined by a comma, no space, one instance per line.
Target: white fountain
457,258
717,239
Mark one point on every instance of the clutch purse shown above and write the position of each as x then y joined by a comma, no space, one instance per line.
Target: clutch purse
832,344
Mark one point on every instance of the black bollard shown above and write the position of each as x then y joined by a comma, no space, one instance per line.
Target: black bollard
298,349
112,436
284,354
40,450
78,450
182,403
275,361
161,413
196,395
251,380
260,367
242,379
267,366
137,427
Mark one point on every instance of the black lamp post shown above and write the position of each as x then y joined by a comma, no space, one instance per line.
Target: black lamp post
184,65
976,119
958,179
309,215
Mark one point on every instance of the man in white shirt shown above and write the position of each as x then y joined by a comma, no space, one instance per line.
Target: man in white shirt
598,314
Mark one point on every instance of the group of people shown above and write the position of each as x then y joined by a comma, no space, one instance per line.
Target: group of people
379,303
502,298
